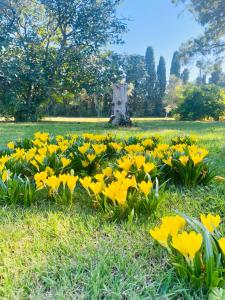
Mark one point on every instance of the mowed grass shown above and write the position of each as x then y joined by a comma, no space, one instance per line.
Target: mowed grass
56,252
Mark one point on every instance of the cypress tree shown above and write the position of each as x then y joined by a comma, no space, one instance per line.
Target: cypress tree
161,75
161,86
175,65
150,81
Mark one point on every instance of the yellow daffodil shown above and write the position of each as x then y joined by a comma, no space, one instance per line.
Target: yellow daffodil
210,222
188,244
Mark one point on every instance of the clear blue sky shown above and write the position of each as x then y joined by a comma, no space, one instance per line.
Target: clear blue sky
156,23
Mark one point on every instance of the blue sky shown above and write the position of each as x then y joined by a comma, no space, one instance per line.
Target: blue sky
156,23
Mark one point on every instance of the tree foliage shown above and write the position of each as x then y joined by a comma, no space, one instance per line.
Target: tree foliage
211,15
51,46
175,65
150,81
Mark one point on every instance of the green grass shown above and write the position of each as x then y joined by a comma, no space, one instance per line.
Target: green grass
53,252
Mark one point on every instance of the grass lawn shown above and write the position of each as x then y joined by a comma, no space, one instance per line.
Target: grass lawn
52,252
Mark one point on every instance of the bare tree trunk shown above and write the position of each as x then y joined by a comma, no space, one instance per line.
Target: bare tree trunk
120,116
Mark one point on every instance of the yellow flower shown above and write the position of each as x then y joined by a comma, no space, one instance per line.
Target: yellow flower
52,148
160,234
116,146
139,161
121,197
168,161
110,192
100,177
85,163
147,143
99,149
162,147
145,187
184,159
40,179
96,187
65,161
134,148
63,179
120,176
35,164
39,158
173,224
222,244
83,149
188,244
71,182
125,163
148,167
107,172
86,181
53,183
11,145
210,222
196,158
49,170
91,157
5,175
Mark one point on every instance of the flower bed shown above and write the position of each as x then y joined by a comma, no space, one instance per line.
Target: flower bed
121,176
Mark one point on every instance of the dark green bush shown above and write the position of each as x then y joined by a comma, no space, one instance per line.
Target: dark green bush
202,102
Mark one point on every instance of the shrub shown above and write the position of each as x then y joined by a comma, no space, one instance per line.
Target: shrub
200,102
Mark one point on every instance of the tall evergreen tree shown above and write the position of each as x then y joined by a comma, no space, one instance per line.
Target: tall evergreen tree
161,76
150,81
175,65
161,86
185,76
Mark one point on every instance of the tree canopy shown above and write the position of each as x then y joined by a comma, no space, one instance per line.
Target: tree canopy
211,15
49,46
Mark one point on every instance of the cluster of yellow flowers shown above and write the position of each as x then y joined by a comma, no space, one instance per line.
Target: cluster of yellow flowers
103,165
171,234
